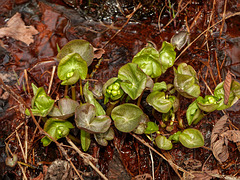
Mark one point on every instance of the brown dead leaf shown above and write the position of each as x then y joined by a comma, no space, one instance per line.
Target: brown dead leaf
227,86
17,30
98,52
232,135
219,144
192,164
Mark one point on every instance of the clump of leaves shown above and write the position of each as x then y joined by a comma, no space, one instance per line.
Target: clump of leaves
103,138
57,128
194,113
42,104
207,104
71,68
186,82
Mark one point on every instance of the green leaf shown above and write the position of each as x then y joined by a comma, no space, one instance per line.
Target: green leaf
85,140
86,119
194,113
66,108
140,129
133,80
159,101
42,104
57,128
152,127
175,137
207,104
148,60
89,98
163,143
186,82
82,47
112,89
160,86
126,117
191,138
167,56
103,138
233,96
71,68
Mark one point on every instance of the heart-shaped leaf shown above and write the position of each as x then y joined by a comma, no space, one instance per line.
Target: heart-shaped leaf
152,127
163,143
148,60
126,117
160,86
133,80
85,140
191,138
194,113
180,39
71,68
66,108
82,47
85,118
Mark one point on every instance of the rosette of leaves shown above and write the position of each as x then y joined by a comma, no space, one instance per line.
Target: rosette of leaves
148,60
79,46
65,109
163,143
186,82
86,119
191,138
42,104
208,104
167,56
89,98
112,90
57,128
194,113
152,127
234,94
71,68
133,80
126,117
103,138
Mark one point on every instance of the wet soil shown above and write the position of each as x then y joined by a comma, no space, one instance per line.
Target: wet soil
58,22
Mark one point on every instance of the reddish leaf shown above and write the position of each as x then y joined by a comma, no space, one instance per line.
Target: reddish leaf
227,86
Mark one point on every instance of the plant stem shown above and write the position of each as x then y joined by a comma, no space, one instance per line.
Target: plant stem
139,100
74,139
110,107
66,91
81,89
73,92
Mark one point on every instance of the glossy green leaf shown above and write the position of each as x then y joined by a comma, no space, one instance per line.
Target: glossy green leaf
163,143
152,127
233,96
85,140
126,117
148,60
160,86
57,128
71,68
89,98
42,104
86,119
103,138
167,56
191,138
133,80
186,82
175,137
66,108
194,113
82,47
159,101
112,90
208,104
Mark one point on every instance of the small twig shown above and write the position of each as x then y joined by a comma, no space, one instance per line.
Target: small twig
223,18
87,158
51,80
151,157
24,174
206,85
21,147
26,143
26,79
14,131
218,69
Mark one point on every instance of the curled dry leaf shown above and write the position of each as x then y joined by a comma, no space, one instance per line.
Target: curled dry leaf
17,30
227,87
98,53
219,143
232,135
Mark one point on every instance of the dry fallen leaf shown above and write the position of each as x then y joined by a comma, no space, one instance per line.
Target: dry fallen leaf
227,86
232,135
16,29
98,52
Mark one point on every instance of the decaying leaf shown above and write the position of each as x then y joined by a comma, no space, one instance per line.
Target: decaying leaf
227,86
219,144
98,52
16,29
192,164
232,135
